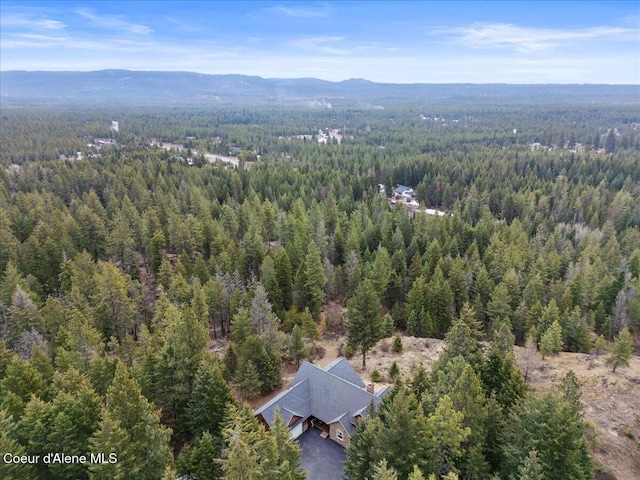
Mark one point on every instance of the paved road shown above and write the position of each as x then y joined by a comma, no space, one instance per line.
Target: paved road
321,457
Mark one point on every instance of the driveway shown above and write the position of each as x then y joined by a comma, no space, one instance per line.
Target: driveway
321,457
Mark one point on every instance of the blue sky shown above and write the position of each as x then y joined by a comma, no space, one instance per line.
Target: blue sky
392,41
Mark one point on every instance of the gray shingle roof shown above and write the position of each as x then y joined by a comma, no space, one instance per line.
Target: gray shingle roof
293,401
400,189
335,393
343,369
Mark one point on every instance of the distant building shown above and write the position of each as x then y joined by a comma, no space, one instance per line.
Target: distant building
431,211
402,191
115,126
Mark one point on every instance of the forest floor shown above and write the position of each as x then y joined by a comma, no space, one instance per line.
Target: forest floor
611,400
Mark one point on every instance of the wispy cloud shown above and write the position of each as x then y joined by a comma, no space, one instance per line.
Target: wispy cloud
330,45
300,12
114,22
320,44
25,21
182,26
524,39
48,42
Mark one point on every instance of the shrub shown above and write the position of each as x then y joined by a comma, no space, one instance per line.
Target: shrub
348,350
375,376
394,371
397,344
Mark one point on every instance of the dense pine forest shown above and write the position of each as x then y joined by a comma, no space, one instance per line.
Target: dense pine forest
148,290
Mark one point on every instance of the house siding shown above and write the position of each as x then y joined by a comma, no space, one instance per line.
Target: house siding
333,434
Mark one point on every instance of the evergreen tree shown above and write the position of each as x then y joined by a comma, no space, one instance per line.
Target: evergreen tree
73,418
241,326
418,323
130,427
419,382
284,276
551,340
552,425
463,339
249,381
599,345
287,450
416,474
396,347
231,361
501,378
209,399
440,302
297,350
500,305
388,325
551,314
114,309
381,270
8,444
383,472
575,332
185,342
402,434
361,454
621,351
309,327
265,360
531,469
249,452
394,371
467,397
199,459
610,142
314,281
365,320
445,437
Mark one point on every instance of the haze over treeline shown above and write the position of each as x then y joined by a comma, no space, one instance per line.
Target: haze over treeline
170,87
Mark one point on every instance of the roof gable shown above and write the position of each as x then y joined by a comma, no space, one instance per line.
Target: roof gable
341,367
294,401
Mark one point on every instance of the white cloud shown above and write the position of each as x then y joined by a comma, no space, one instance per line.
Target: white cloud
114,22
25,21
524,39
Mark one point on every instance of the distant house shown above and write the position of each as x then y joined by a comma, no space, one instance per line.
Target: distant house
332,399
234,151
402,191
431,211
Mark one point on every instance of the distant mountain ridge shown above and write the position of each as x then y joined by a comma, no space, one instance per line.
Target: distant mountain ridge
172,87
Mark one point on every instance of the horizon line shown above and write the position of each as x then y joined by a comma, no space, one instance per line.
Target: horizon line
314,78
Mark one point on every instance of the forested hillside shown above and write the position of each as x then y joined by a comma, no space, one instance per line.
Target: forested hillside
126,264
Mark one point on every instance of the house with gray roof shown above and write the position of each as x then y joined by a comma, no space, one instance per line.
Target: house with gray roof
403,191
332,399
